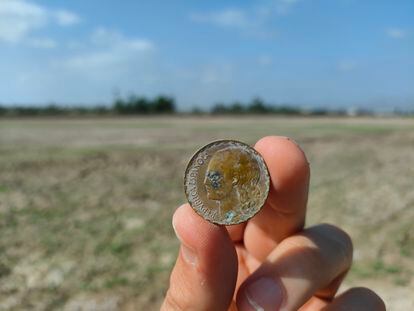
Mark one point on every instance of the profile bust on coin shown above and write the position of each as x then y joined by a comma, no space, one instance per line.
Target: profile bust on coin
227,182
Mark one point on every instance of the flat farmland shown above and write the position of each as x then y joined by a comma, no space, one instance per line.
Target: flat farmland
86,204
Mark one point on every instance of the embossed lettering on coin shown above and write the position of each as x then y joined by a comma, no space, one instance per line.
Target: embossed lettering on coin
226,182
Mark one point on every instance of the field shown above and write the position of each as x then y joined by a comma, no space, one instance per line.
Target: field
86,204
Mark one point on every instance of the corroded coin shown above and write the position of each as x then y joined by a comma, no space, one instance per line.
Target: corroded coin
226,182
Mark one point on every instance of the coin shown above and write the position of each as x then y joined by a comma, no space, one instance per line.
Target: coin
226,182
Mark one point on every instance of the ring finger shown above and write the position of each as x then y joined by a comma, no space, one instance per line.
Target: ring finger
311,263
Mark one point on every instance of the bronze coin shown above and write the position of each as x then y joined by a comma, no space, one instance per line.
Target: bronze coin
226,182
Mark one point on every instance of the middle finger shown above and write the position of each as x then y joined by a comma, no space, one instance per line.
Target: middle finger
284,212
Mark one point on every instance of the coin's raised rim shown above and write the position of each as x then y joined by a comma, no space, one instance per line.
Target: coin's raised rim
227,141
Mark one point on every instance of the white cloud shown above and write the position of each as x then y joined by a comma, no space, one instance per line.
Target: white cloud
111,38
108,49
66,18
94,68
253,21
74,44
213,74
227,18
42,43
104,36
272,8
247,23
283,7
96,59
396,33
20,18
347,65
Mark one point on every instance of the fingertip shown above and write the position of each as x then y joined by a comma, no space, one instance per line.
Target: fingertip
176,219
277,150
197,233
191,229
263,293
358,298
205,273
236,232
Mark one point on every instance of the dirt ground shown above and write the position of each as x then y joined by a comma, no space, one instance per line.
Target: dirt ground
86,204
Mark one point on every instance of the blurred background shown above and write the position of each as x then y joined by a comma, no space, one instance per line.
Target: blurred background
99,99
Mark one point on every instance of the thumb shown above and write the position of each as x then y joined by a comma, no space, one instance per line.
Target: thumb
204,276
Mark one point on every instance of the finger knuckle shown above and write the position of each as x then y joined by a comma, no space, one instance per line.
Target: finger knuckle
298,160
172,303
340,241
302,250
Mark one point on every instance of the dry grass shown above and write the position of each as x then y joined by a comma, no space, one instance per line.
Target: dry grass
85,205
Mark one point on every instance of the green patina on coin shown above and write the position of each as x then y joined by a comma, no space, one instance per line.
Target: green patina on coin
226,182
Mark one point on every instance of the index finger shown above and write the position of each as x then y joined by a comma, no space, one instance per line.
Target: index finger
285,208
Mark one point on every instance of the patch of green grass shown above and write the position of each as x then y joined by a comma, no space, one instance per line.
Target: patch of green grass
402,280
3,189
4,270
361,271
406,241
120,248
380,267
376,269
117,281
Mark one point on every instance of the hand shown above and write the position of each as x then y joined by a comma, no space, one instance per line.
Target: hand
271,262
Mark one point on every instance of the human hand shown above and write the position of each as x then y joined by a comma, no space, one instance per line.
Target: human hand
270,262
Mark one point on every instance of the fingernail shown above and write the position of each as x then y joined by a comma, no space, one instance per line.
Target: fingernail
264,294
188,254
294,141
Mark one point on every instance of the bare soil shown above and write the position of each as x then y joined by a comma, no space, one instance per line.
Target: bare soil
86,204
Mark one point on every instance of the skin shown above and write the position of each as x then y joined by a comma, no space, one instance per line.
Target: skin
271,262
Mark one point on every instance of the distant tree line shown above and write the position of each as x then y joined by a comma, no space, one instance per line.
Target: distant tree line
140,105
132,105
256,106
52,110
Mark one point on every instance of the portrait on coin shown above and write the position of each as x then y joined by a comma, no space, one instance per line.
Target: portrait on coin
232,179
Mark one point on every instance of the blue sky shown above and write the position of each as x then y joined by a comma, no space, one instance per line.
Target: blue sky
305,52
